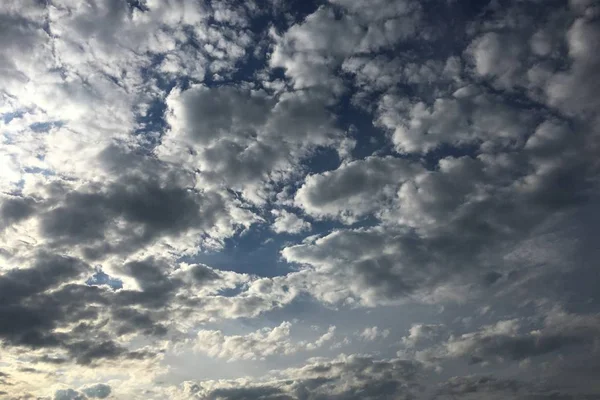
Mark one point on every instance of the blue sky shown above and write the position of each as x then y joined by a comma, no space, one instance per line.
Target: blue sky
299,200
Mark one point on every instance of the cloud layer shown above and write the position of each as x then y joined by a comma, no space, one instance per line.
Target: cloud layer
342,199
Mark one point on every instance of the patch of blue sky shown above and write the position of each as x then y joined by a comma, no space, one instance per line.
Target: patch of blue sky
7,117
37,170
100,278
40,127
254,252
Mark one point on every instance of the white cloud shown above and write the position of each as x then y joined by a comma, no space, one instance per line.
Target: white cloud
354,189
374,333
443,155
287,222
421,332
256,345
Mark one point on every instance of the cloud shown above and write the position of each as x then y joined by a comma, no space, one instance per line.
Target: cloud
31,324
257,345
174,172
99,391
346,377
310,51
373,333
419,333
508,339
354,189
253,138
488,387
68,394
287,222
468,116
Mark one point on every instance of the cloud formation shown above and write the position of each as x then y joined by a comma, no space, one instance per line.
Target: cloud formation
215,199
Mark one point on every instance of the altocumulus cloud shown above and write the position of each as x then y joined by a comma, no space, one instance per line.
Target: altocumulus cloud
337,199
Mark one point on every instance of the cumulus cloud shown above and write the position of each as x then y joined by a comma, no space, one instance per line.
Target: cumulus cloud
256,345
260,344
421,332
511,340
253,138
347,377
354,189
174,172
287,222
374,333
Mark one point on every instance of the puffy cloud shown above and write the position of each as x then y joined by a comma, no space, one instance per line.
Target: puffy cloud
259,344
250,139
444,154
287,222
326,337
354,189
68,394
98,391
202,115
489,387
469,116
419,333
346,377
309,52
373,333
509,339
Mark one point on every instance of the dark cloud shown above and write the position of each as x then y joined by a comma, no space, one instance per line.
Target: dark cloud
14,209
98,391
33,306
202,274
27,318
68,394
516,340
442,154
130,320
489,387
149,208
348,378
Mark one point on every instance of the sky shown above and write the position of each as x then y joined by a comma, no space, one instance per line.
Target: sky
299,200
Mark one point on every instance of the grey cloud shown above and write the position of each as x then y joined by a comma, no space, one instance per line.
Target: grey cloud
428,79
49,271
202,273
311,51
287,222
28,320
206,114
420,333
68,394
32,318
20,31
99,391
157,288
152,209
509,340
250,138
37,310
469,116
355,188
14,209
350,377
489,387
87,352
130,320
36,301
463,213
487,127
